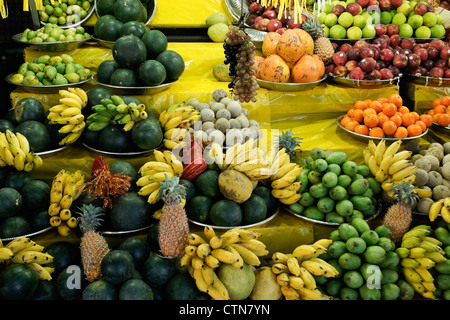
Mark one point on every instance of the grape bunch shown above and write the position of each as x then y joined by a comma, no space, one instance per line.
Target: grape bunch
240,55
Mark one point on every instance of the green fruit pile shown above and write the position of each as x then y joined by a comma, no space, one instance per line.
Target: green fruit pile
367,262
442,269
51,71
335,189
68,12
54,33
206,204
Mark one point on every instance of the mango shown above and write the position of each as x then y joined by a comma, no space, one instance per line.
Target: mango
390,291
266,286
442,235
443,267
337,157
374,254
367,293
358,187
216,17
406,290
218,32
235,186
16,78
353,279
360,225
443,281
238,281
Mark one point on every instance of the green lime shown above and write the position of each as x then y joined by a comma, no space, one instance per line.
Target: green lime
423,32
330,20
369,31
337,32
345,19
415,21
405,30
437,31
355,32
429,19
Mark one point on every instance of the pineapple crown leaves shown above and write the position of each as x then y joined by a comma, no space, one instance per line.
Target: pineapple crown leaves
89,217
287,141
171,191
405,192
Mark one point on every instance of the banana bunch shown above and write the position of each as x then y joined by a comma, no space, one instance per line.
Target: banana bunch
295,272
68,113
15,152
419,252
25,251
176,122
66,187
388,165
204,254
284,178
441,207
152,173
246,158
115,111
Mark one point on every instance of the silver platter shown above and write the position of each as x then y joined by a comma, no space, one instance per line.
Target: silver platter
362,136
235,8
289,87
429,81
118,154
79,23
29,235
151,9
134,90
53,151
326,223
367,84
123,233
45,89
236,227
350,40
51,46
441,127
104,43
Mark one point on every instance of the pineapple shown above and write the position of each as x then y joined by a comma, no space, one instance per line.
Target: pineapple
173,224
322,45
289,143
399,215
93,246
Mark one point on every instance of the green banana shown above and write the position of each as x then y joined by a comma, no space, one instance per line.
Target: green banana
116,100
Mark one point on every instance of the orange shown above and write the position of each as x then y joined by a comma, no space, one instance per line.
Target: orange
376,132
344,120
397,120
403,109
427,119
436,102
430,112
351,125
422,125
369,111
443,119
416,115
389,127
382,117
382,100
408,119
439,109
362,129
396,99
389,109
357,115
371,120
376,105
401,132
445,101
414,130
361,105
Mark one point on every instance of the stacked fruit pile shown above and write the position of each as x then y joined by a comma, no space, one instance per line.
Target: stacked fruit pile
385,117
442,278
367,263
439,112
335,189
65,12
140,59
54,33
51,71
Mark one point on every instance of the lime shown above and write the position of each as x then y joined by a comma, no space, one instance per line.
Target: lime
354,33
345,19
385,17
337,32
405,30
369,31
415,21
328,8
330,20
48,9
440,19
359,21
429,19
399,19
423,32
437,31
326,31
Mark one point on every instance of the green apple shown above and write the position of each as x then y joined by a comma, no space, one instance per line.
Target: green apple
359,21
326,30
321,18
337,32
405,30
437,31
330,20
404,8
354,33
422,32
328,8
369,31
385,17
415,21
429,19
440,19
345,19
399,18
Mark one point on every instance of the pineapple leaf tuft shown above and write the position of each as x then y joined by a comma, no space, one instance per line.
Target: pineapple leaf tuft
171,191
89,217
289,143
404,192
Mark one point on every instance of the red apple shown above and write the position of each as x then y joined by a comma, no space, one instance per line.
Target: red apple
419,71
274,25
251,19
340,58
386,74
386,55
396,3
262,24
351,64
385,5
408,43
420,8
284,18
366,53
340,71
360,44
445,52
291,23
376,51
380,29
441,63
395,71
357,74
255,7
354,8
373,3
414,60
353,54
269,14
367,64
335,46
447,73
330,68
433,53
430,8
423,53
392,29
400,60
437,43
428,64
374,75
362,3
345,47
257,20
395,40
338,9
436,72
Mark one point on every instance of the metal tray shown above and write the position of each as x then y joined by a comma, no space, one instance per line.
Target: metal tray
350,40
429,81
29,235
123,233
134,90
151,9
51,46
118,154
289,87
441,127
45,89
53,151
367,84
236,227
326,223
235,9
79,23
364,137
104,43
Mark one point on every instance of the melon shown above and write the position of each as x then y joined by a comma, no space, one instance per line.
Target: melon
239,282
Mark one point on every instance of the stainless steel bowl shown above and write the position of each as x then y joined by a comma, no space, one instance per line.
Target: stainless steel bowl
51,46
151,9
367,84
44,89
289,87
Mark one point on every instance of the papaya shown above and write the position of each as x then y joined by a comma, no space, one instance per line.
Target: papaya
235,186
275,69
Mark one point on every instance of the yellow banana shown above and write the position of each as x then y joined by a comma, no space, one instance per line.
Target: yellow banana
437,257
240,262
149,188
410,263
323,242
412,276
411,242
212,261
200,282
280,257
296,282
41,272
398,166
291,200
208,275
425,274
435,209
66,201
209,232
163,118
330,271
215,242
429,246
308,279
19,244
190,250
429,286
32,256
72,95
417,252
287,179
373,166
293,266
19,161
409,170
445,213
70,112
229,237
219,287
283,193
385,164
203,250
425,263
5,254
172,123
313,294
401,155
303,250
290,293
253,245
71,102
280,172
245,234
224,256
313,267
249,256
392,149
23,142
379,151
278,268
